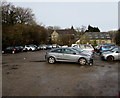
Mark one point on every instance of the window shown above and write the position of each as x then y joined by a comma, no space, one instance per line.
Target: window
75,46
82,46
9,48
115,49
68,51
87,46
108,36
57,51
27,46
102,37
96,36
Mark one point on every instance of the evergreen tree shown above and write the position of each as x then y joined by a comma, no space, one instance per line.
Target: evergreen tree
92,29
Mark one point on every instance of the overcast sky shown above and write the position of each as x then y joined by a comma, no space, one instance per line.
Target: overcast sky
65,14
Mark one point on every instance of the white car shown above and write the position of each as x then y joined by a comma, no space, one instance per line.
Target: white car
73,45
42,47
85,47
64,46
83,51
111,55
29,48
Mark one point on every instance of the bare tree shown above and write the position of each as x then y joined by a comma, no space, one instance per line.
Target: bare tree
53,27
24,16
14,15
81,29
8,13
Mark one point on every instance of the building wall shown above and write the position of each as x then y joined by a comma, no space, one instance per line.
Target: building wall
54,36
100,41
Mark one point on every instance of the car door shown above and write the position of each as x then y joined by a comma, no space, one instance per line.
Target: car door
69,55
57,53
118,53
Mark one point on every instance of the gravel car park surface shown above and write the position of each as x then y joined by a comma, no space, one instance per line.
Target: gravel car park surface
27,74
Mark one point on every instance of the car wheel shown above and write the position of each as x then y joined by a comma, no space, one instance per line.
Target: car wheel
30,49
13,52
82,61
25,50
110,58
51,60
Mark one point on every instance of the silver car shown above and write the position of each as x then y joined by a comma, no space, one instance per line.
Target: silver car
68,55
114,54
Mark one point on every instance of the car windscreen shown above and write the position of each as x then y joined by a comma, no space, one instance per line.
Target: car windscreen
115,49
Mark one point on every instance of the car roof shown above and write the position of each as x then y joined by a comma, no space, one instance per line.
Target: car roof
61,48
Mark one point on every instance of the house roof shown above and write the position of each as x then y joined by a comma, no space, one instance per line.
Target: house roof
99,35
64,31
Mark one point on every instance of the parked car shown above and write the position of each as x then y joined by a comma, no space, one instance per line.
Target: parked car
42,47
110,49
68,55
114,54
64,46
29,48
11,49
49,46
20,48
58,46
39,47
86,47
106,47
54,45
73,45
36,47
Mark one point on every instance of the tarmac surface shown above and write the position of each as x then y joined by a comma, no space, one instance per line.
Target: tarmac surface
28,74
